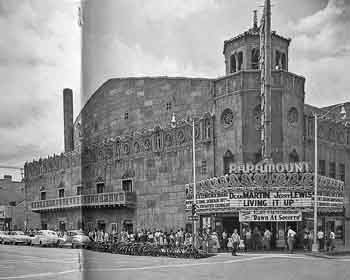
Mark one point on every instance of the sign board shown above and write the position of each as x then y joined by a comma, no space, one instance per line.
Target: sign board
270,215
193,218
289,167
270,199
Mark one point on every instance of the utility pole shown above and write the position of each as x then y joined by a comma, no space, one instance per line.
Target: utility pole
265,67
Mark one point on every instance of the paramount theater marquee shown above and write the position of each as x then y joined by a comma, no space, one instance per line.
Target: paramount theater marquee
256,191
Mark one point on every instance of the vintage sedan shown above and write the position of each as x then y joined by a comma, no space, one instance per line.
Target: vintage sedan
19,237
5,238
75,239
46,238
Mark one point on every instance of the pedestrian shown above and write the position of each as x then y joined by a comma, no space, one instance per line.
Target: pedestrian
331,239
320,238
290,239
216,243
256,237
224,240
248,237
311,240
106,237
229,244
235,242
267,239
306,239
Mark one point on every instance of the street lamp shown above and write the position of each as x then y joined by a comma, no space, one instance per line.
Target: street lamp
316,118
194,223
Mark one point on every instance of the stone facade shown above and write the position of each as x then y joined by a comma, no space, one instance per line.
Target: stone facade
123,140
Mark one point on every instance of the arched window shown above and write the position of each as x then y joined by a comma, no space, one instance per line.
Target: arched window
240,61
232,64
293,156
207,128
255,58
228,159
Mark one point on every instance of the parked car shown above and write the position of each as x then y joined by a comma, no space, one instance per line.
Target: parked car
75,239
18,237
4,237
46,238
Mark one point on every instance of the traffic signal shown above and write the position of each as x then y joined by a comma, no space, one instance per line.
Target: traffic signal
194,209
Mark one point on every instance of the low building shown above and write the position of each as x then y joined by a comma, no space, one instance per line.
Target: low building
12,205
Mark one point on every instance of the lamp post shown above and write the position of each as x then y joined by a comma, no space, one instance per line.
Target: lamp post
194,222
316,118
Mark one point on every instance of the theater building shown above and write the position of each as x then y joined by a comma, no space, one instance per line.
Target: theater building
126,166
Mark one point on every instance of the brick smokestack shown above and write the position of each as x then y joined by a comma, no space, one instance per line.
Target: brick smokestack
68,119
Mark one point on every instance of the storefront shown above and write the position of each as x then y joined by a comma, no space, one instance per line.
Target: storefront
269,197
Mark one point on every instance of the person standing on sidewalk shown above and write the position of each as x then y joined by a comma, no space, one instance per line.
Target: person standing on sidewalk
267,240
290,239
331,239
224,241
320,238
235,242
248,237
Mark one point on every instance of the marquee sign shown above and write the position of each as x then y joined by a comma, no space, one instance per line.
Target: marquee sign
289,167
270,215
270,199
234,200
290,181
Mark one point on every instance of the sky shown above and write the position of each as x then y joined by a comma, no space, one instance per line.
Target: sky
40,54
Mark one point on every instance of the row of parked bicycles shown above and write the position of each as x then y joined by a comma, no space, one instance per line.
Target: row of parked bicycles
150,249
77,239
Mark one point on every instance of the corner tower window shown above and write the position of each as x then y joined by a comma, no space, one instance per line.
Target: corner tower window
240,61
233,64
284,61
278,60
255,58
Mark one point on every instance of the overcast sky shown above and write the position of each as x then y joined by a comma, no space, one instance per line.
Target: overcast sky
40,54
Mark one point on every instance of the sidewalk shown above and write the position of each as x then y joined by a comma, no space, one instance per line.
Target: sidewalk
337,252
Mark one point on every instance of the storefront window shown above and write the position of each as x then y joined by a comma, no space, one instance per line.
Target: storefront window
339,229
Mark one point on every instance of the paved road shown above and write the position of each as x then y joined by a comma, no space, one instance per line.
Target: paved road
18,262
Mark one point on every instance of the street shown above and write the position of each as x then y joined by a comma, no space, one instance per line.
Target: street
17,262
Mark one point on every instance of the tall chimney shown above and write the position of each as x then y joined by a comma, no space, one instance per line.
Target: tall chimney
255,20
68,119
